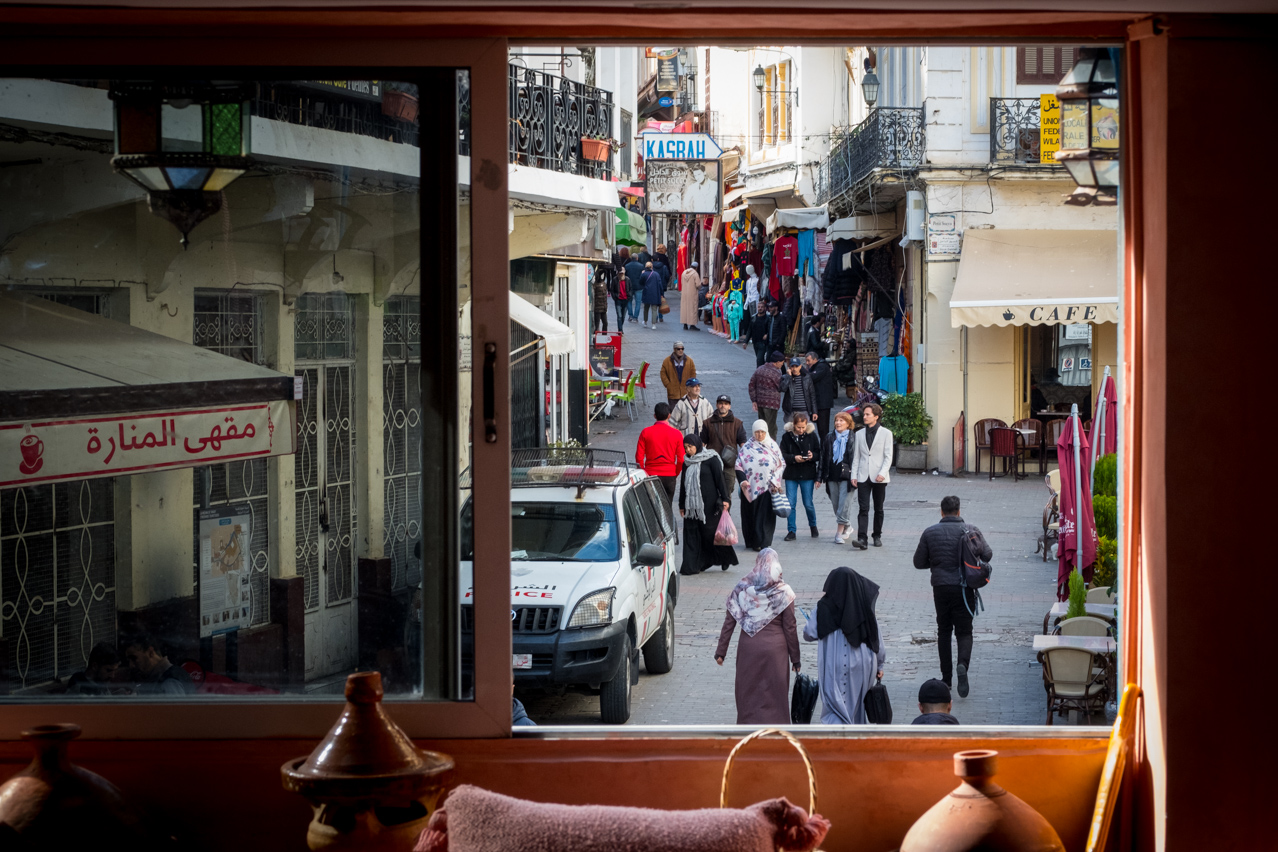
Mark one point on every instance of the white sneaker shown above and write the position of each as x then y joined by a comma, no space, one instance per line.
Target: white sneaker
838,539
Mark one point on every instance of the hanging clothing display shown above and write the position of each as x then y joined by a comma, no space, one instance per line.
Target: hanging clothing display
884,329
785,255
894,374
807,253
843,274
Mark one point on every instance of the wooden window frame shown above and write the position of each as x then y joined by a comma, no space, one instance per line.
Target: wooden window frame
1063,57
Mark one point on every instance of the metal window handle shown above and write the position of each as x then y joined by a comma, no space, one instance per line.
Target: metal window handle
323,514
490,394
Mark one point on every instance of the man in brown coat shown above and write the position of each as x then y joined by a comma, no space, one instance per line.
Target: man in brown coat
675,372
725,431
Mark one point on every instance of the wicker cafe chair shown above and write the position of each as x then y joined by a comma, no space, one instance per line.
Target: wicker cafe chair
1054,430
1101,595
1034,442
1051,513
1085,625
981,436
1074,681
1006,444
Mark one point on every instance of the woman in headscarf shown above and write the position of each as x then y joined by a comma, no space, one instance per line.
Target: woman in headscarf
851,654
838,451
759,468
689,292
703,498
763,604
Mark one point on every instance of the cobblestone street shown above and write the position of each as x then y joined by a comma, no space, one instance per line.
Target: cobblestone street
1006,680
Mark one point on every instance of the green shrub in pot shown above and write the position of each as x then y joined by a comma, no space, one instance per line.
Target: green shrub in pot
905,415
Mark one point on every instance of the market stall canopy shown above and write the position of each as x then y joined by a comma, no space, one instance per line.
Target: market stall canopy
559,337
802,218
82,396
1036,278
632,230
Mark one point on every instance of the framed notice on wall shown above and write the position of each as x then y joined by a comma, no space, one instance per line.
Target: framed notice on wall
225,533
683,186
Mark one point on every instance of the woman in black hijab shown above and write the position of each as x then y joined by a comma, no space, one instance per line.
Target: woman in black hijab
703,498
851,654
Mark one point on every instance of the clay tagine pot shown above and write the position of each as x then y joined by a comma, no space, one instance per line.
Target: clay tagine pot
371,788
980,815
54,804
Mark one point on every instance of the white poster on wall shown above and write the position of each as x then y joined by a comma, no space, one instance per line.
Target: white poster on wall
225,534
683,186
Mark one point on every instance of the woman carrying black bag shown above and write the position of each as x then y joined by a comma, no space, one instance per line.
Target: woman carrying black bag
851,654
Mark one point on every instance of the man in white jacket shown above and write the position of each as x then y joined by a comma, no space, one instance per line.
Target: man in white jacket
870,468
691,412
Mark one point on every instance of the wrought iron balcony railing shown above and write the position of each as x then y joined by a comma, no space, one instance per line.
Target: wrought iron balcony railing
549,117
294,103
890,138
1014,131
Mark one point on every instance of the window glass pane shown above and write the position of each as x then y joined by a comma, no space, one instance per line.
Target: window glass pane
219,479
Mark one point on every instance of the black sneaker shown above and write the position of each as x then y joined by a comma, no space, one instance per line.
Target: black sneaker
860,544
962,680
878,541
815,532
790,536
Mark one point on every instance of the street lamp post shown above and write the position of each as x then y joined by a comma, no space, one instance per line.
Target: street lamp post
761,80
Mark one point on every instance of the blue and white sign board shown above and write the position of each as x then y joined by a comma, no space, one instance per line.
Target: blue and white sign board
680,146
665,101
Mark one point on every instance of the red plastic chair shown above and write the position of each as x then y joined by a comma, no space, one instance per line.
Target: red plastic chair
1054,429
1008,445
642,384
981,436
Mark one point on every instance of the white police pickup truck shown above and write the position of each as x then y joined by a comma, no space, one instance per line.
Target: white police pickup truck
593,577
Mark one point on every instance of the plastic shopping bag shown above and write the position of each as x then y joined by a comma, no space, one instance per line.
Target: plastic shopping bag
726,532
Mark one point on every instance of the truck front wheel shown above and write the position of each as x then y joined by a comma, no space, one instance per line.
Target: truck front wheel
614,695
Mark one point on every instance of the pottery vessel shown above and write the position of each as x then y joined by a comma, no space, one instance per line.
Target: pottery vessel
370,787
979,814
54,804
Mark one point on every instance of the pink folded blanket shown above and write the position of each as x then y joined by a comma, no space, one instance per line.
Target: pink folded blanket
475,820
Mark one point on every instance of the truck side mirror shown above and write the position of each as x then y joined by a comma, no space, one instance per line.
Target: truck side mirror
651,555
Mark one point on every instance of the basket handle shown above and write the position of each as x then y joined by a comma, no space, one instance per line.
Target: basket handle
803,753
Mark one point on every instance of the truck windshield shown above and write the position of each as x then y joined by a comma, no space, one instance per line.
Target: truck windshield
567,532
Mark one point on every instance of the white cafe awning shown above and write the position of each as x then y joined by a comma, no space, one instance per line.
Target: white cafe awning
559,337
802,218
1036,278
82,396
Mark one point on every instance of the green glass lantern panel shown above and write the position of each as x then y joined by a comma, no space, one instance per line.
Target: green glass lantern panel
183,177
137,127
223,129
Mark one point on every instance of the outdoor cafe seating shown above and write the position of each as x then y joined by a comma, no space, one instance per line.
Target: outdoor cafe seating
1009,446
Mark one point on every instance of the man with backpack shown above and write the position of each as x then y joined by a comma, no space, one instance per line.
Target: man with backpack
958,557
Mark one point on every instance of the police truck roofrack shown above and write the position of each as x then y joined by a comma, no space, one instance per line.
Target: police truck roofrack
579,467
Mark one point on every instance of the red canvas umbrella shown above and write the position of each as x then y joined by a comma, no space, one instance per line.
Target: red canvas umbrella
1076,507
1104,435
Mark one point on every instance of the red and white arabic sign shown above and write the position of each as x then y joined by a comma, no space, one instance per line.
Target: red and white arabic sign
121,444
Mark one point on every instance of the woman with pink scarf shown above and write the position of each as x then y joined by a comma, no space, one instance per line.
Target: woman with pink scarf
763,604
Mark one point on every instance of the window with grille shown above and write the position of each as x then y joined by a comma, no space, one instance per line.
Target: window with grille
402,435
230,323
1043,65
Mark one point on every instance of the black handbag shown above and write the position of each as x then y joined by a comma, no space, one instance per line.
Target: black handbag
878,709
803,699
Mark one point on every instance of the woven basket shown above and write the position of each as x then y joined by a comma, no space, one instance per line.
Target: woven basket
798,746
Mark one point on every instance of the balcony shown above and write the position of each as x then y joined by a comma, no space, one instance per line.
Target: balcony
890,140
549,115
1014,132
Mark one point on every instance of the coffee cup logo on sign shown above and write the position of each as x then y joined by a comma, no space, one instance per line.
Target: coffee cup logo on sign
32,449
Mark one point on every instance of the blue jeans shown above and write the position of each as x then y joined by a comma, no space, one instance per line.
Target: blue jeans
636,299
792,488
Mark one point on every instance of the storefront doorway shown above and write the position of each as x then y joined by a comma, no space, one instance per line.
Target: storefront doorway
325,479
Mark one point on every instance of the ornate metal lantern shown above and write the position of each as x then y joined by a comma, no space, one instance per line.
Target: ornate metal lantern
870,87
760,78
1090,127
183,142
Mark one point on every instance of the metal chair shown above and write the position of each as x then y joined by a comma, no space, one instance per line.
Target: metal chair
1051,513
981,436
1054,430
1072,681
1007,444
1035,441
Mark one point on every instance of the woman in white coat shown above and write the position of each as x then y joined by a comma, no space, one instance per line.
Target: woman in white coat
870,469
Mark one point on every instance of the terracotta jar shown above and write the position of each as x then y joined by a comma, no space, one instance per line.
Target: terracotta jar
980,815
54,804
371,788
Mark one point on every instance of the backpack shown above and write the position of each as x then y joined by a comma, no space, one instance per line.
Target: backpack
974,572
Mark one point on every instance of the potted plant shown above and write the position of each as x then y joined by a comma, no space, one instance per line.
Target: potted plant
905,415
399,100
597,148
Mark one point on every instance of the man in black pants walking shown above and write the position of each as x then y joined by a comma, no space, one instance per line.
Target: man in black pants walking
940,550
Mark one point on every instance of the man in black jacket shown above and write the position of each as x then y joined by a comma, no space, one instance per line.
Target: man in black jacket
934,704
823,385
722,431
940,551
755,330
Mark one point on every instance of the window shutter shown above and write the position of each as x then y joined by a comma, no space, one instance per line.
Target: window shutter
1044,64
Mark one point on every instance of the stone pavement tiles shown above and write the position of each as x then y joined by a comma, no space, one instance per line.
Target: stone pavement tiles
1006,679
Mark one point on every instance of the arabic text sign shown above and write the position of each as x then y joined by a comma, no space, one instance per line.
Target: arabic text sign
680,146
226,533
683,186
1049,128
114,445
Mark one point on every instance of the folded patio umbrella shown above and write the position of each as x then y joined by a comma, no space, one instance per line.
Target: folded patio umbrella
1074,550
1104,433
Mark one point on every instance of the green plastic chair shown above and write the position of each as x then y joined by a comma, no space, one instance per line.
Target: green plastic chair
626,397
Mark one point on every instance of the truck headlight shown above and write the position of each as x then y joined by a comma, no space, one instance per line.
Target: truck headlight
594,610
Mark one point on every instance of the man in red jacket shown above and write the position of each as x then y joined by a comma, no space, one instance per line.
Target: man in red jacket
659,452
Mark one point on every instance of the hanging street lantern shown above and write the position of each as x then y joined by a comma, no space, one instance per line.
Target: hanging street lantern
760,78
183,142
1090,128
870,88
